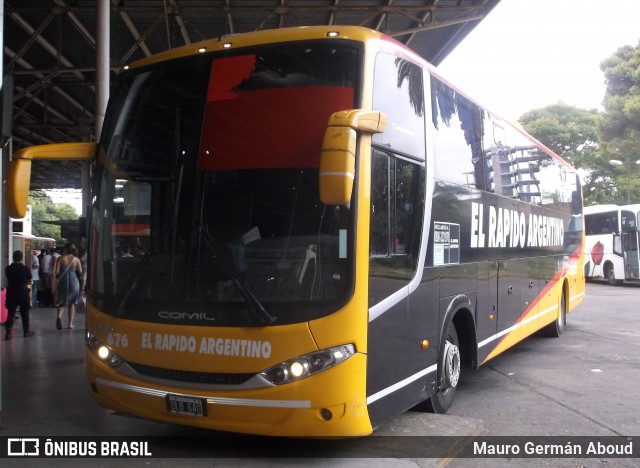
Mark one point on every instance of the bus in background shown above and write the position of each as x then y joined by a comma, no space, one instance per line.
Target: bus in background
23,239
611,242
330,233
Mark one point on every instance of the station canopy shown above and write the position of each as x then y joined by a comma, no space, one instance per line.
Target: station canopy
50,48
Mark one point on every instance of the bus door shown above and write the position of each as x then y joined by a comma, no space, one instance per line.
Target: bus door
629,241
518,288
631,254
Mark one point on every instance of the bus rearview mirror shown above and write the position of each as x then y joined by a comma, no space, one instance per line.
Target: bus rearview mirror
338,157
19,175
17,187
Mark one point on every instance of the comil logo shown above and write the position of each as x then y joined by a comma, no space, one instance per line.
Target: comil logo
23,447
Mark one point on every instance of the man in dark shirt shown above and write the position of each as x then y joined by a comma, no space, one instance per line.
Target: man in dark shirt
18,279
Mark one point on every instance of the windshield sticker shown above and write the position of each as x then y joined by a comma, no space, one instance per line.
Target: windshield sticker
269,128
446,243
229,72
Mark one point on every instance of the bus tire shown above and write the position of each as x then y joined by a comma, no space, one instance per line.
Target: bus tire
611,276
450,372
555,328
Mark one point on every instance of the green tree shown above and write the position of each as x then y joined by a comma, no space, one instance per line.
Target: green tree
619,125
43,209
571,133
65,212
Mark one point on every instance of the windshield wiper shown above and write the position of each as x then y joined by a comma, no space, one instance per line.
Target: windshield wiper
132,279
240,284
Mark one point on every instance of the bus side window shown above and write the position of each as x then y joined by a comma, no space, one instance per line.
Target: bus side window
617,244
398,92
601,223
397,209
397,200
458,126
380,230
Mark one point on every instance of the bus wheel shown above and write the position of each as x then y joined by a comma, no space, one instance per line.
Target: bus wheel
611,276
450,371
556,328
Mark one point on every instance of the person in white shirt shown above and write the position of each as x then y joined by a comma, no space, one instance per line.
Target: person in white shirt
35,278
46,268
47,264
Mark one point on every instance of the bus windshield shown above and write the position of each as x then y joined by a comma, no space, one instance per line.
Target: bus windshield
207,208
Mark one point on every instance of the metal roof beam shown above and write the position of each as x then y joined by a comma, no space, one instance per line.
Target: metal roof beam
132,29
175,11
383,17
60,70
44,43
33,38
229,17
435,25
332,15
42,82
427,15
26,141
84,32
45,125
242,7
26,65
140,42
281,16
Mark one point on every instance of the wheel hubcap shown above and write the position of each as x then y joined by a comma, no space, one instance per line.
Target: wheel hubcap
451,364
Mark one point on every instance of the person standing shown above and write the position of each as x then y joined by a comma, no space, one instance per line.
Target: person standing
18,279
83,264
45,273
35,278
67,283
55,255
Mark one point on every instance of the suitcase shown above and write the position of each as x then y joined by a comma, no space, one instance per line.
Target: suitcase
3,309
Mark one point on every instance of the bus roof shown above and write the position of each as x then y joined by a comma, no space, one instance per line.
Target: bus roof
635,208
267,36
22,235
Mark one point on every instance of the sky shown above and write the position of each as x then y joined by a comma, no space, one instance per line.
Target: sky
527,54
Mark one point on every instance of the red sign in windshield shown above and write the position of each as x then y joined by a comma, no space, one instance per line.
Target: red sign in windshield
272,127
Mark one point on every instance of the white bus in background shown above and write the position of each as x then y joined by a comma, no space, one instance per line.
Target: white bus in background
22,237
611,243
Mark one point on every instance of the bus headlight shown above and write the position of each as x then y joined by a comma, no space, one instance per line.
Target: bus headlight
103,352
306,365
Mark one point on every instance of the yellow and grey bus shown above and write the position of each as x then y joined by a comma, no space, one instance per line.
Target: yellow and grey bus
307,231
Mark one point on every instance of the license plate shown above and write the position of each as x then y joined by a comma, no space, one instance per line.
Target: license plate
186,405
